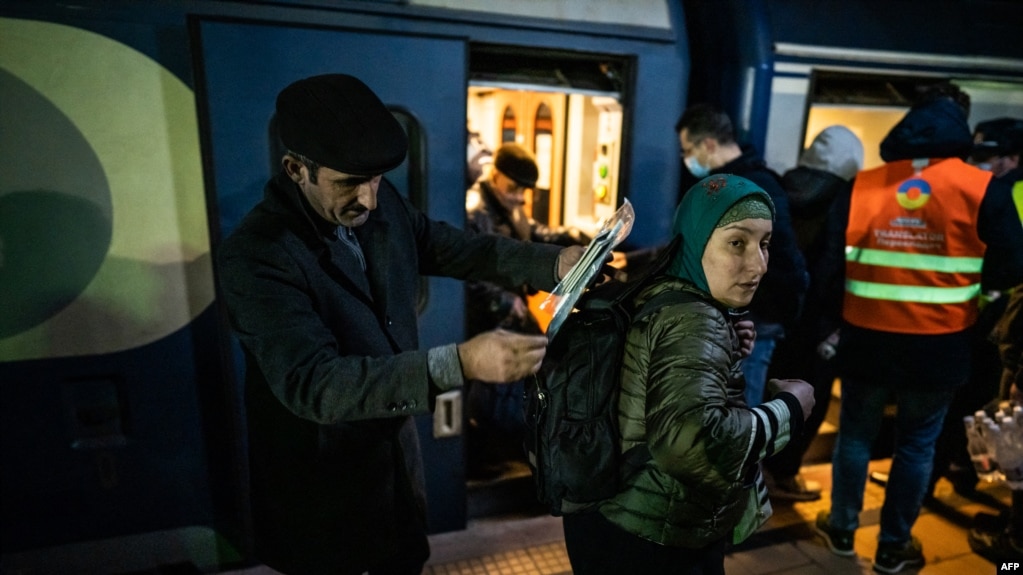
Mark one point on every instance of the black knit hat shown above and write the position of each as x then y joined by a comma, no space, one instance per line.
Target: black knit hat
338,122
518,164
999,137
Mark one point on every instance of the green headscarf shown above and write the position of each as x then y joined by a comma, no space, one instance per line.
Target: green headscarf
712,202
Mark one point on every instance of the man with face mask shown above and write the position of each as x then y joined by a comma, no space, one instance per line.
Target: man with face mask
708,144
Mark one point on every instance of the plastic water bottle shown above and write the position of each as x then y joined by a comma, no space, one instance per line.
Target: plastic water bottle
1010,452
977,446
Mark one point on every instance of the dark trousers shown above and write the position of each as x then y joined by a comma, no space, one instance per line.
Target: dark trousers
598,547
796,357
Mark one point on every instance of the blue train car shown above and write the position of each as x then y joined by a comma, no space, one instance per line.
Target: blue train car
785,69
136,134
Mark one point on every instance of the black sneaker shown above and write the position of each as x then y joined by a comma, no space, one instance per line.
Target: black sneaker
839,541
894,557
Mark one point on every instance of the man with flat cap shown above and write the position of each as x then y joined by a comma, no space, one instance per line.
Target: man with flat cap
320,281
495,205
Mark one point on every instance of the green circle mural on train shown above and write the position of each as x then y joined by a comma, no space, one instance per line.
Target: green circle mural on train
104,244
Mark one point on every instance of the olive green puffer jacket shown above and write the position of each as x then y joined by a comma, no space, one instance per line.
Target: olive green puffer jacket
682,396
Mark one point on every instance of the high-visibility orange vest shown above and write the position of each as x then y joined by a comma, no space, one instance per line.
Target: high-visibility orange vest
912,256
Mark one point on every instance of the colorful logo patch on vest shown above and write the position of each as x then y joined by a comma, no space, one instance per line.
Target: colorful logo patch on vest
913,193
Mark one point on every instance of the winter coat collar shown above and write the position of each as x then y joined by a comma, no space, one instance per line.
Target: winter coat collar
283,197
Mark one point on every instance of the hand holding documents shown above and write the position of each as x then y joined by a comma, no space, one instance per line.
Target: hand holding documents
567,292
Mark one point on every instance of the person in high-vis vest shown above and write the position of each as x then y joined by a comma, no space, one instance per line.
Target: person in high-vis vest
902,271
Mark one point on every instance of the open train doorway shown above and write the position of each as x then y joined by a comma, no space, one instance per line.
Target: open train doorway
568,110
565,109
871,104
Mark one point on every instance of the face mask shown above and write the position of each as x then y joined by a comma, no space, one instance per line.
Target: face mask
985,166
696,168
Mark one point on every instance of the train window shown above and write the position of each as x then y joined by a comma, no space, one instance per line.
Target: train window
543,148
410,178
564,107
508,125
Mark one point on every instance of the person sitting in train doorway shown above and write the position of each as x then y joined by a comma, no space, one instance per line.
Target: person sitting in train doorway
495,205
902,271
709,147
321,282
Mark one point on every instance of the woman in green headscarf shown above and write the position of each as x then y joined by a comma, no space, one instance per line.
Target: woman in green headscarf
682,396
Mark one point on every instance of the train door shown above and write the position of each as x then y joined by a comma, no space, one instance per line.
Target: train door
567,111
244,65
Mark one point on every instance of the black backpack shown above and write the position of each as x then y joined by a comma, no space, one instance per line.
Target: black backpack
572,438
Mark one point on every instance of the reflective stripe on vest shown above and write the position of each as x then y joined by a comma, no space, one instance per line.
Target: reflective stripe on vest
1017,198
913,257
945,264
918,294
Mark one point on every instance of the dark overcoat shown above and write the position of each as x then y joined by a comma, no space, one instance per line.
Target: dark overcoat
334,373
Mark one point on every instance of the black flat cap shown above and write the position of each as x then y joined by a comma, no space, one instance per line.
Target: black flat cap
518,164
1000,137
338,122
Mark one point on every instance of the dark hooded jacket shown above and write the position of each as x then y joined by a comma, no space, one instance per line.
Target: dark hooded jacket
935,129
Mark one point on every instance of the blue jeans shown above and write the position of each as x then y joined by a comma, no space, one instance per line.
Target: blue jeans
918,422
754,367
